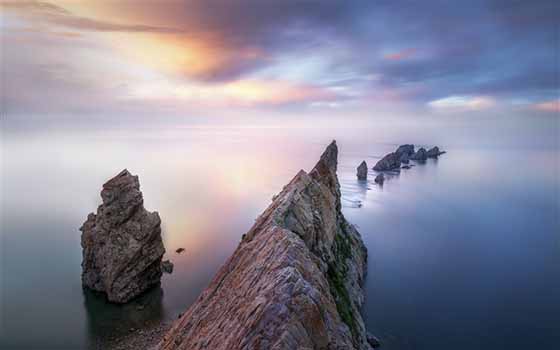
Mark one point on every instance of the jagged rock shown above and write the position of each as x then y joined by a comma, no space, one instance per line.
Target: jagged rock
434,152
373,341
391,161
121,244
362,171
167,266
294,282
404,152
379,179
420,155
179,250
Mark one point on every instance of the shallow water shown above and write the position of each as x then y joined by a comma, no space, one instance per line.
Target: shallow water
464,251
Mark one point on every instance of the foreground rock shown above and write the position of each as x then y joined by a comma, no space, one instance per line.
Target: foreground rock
380,179
121,244
391,161
294,282
362,171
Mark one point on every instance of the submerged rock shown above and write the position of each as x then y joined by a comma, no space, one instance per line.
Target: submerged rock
121,244
420,155
379,179
362,171
167,266
294,282
391,161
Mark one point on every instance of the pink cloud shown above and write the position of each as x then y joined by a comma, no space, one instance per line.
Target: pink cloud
548,106
401,55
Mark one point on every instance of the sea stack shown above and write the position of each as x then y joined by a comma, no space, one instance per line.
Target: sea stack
404,152
362,171
391,161
121,244
420,155
294,282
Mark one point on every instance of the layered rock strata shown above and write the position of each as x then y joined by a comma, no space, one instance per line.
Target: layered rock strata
121,244
294,282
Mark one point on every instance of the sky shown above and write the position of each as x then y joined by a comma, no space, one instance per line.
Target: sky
187,58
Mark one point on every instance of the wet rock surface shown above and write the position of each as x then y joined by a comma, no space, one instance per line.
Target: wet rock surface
362,171
121,243
294,282
379,179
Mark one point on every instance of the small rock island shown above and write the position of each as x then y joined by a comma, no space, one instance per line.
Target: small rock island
294,282
403,154
362,171
121,244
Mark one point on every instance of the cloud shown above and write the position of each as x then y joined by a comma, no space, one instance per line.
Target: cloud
548,106
463,103
401,55
51,13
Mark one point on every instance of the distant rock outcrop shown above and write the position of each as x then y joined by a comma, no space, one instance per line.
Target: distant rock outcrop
122,245
362,171
404,152
294,282
391,161
434,152
420,155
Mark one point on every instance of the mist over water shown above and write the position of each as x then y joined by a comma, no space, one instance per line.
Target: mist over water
464,252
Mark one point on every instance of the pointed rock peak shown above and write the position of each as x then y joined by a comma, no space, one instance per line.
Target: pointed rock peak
325,170
329,158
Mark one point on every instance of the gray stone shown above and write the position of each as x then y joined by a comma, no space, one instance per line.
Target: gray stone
379,179
434,152
294,282
420,155
373,340
362,171
167,266
121,244
405,149
391,161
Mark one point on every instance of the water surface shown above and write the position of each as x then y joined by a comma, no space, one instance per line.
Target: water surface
464,251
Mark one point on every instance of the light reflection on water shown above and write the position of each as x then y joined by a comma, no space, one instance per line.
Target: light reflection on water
464,251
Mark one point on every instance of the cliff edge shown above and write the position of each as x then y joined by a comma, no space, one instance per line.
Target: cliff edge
294,282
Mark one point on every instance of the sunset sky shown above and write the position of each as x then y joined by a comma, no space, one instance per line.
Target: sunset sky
86,57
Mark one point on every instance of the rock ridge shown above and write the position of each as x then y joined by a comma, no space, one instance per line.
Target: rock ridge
294,282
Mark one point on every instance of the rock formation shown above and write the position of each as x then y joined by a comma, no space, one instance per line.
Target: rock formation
122,245
391,161
362,171
380,179
167,266
420,155
434,152
404,152
294,282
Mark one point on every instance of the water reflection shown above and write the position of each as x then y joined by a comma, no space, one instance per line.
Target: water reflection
106,321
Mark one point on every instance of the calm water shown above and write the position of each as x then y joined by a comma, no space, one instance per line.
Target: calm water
464,251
